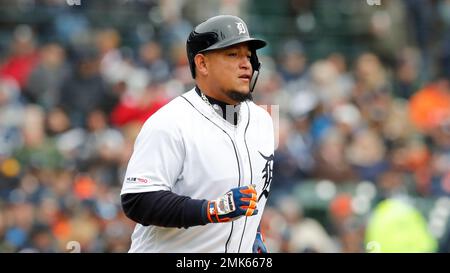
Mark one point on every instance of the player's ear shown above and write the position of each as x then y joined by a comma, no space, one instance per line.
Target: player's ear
201,64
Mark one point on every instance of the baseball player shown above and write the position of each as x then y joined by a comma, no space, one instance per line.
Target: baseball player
201,169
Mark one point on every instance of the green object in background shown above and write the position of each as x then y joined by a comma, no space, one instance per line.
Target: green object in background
396,227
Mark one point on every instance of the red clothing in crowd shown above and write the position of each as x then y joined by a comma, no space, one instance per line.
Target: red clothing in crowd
126,112
19,67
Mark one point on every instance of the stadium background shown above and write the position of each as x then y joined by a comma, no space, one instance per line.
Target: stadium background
363,162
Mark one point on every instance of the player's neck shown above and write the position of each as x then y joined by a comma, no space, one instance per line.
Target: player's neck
211,99
223,106
217,96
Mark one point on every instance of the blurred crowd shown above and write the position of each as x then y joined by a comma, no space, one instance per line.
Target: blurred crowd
74,93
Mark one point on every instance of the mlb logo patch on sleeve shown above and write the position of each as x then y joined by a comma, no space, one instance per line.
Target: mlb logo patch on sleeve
135,180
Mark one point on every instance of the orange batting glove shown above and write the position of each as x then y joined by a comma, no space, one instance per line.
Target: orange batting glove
232,205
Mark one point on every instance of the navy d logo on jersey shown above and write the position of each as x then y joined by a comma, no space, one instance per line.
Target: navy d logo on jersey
267,172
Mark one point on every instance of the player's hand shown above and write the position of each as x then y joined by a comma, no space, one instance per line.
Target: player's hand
258,245
232,205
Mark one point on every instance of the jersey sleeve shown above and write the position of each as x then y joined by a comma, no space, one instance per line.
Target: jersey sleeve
157,158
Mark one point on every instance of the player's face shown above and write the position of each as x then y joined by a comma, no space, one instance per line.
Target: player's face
230,72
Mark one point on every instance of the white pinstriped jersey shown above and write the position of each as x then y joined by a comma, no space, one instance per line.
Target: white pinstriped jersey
188,148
